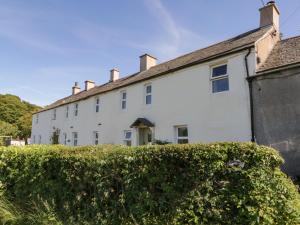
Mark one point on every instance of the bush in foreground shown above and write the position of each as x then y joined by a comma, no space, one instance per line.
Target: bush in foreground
226,183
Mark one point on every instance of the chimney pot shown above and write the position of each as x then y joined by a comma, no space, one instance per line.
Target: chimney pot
114,74
89,84
270,15
146,62
75,89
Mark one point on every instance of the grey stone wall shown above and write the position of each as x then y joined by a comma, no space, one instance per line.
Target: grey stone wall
277,115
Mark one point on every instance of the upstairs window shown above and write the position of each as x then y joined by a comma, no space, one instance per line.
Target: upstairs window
76,109
182,135
97,104
67,111
123,100
75,138
96,137
37,118
127,138
148,94
219,79
54,114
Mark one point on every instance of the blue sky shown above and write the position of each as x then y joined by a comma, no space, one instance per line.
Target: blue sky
48,45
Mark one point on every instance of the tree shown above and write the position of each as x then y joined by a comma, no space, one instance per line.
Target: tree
24,126
7,129
18,113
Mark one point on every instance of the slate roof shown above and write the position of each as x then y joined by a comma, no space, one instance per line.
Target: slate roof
232,45
285,52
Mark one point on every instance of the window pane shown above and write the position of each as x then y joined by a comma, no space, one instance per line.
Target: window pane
128,135
97,108
219,71
124,95
123,104
182,132
220,85
183,141
148,99
148,89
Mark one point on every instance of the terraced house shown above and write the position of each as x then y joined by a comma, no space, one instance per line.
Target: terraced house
203,96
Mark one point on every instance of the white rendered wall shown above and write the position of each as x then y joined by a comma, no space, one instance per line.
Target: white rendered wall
180,98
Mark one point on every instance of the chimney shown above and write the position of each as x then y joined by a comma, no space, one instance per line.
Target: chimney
146,62
269,15
114,74
89,84
75,89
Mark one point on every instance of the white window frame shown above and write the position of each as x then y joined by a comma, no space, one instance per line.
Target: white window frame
67,111
36,118
76,107
96,137
54,114
221,77
75,138
123,100
147,94
177,137
97,104
126,140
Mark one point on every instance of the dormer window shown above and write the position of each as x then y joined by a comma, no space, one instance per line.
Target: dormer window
219,78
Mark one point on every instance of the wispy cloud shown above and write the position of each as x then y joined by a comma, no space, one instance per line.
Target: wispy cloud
176,39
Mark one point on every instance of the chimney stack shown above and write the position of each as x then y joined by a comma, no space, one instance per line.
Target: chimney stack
75,89
114,74
269,15
89,84
146,62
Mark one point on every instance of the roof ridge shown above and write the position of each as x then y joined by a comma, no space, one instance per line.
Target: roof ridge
298,36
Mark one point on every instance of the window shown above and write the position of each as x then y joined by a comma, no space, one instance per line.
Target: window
76,109
40,139
148,94
54,114
97,104
96,137
67,111
65,138
127,137
219,79
75,138
182,135
123,99
37,118
33,141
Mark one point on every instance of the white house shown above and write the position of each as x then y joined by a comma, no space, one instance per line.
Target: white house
203,96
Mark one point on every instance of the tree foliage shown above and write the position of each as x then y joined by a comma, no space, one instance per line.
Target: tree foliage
18,114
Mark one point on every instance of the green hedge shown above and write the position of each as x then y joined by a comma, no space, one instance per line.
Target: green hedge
224,183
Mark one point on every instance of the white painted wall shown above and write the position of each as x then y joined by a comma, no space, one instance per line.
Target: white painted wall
180,98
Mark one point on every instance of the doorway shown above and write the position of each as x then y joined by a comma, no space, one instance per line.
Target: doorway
145,136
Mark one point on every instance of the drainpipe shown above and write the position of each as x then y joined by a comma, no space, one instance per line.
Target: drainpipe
250,95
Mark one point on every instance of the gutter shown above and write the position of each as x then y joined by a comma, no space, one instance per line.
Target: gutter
275,69
250,95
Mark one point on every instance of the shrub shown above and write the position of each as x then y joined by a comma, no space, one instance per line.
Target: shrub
224,183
